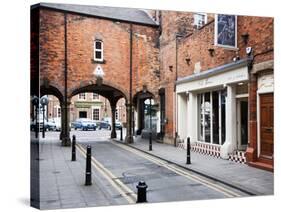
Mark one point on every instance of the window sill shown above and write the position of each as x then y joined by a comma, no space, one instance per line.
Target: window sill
98,61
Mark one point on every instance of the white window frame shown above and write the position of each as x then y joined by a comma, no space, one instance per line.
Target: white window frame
58,109
196,23
96,108
79,97
216,35
98,50
211,120
97,96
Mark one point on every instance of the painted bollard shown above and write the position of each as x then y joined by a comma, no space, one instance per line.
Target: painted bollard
88,180
73,152
188,151
150,141
121,134
141,192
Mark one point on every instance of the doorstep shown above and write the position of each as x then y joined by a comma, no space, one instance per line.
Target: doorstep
261,165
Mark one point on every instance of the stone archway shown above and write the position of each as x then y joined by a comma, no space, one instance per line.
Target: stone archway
138,102
112,94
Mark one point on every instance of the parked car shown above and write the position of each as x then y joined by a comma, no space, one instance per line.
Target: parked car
55,123
118,125
48,125
103,125
84,124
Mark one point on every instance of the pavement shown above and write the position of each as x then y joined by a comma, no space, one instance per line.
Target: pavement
240,176
62,180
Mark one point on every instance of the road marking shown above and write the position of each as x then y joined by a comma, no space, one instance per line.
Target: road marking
181,172
124,190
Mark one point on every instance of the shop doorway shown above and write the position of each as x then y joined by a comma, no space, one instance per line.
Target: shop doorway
242,123
266,126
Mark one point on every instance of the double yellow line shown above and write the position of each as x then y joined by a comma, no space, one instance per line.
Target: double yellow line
124,190
208,183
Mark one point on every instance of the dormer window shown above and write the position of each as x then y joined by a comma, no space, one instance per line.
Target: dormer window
98,50
200,19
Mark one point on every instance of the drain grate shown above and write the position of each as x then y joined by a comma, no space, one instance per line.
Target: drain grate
56,172
51,201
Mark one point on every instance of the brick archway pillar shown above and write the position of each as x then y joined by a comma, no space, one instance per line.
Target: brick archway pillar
113,129
65,128
129,137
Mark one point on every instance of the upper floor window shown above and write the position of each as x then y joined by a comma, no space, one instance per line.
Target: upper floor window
96,96
98,50
200,19
82,96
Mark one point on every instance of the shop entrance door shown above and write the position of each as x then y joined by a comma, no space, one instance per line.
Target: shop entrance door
266,126
242,123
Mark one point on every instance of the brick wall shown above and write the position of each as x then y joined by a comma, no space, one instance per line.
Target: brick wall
81,33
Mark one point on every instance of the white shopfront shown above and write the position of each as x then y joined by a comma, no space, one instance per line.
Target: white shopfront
207,107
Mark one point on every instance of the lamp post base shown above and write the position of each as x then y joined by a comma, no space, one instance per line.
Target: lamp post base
66,141
129,139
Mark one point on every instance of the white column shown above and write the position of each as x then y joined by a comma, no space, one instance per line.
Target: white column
182,116
230,129
192,120
158,122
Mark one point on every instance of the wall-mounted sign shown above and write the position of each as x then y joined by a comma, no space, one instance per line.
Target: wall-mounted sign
226,30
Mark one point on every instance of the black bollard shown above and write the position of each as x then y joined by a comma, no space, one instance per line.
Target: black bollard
188,151
121,134
73,155
150,141
141,192
88,166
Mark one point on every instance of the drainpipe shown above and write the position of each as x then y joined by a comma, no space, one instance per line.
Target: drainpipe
175,95
129,137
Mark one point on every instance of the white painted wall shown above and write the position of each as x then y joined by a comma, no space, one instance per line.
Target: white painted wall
230,143
182,115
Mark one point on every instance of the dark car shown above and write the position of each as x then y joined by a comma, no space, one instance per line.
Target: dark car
118,125
103,125
84,124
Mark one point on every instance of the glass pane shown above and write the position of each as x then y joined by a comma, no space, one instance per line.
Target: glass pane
98,45
207,123
215,107
223,96
200,116
98,55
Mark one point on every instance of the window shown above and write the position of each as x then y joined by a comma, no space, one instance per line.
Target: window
226,30
98,50
82,96
200,19
96,96
211,117
58,112
116,115
96,114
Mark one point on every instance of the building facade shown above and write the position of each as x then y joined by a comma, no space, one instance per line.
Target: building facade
88,105
224,89
209,76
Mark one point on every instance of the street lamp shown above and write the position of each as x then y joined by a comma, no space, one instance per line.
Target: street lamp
35,102
44,101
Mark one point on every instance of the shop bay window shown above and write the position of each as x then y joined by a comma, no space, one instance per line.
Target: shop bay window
211,117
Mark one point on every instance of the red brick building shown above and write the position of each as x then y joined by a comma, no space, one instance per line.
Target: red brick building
193,65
